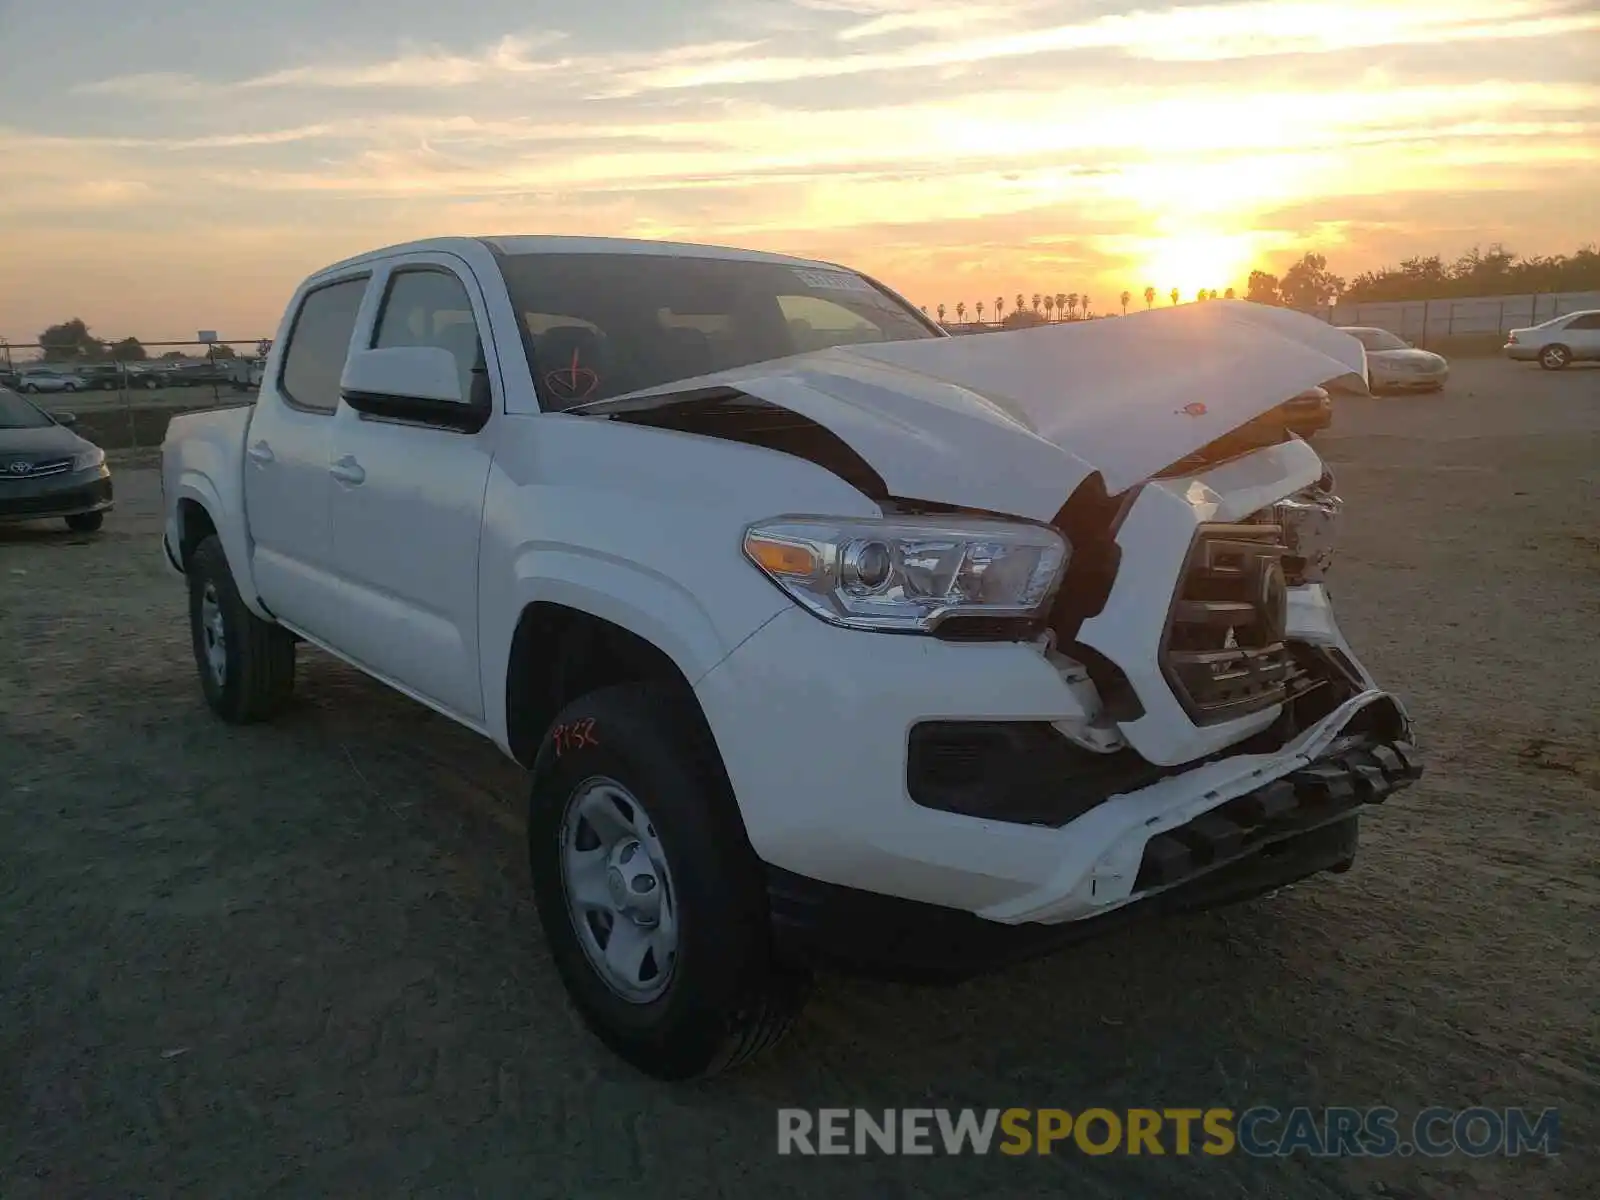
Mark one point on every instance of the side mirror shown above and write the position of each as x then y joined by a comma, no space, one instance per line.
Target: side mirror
66,419
413,383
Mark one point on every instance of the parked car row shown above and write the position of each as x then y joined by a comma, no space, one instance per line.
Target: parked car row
109,377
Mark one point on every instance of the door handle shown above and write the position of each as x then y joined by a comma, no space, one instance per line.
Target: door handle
347,470
260,452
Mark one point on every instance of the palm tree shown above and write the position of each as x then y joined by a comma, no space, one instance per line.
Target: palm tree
941,314
1049,306
1203,295
999,308
924,309
961,310
1061,302
1174,295
1021,304
979,307
1084,300
1125,297
1149,297
1228,295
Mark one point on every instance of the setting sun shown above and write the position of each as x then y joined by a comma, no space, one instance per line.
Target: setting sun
1193,261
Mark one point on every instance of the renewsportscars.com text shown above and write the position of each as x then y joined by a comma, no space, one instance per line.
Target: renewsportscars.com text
1258,1132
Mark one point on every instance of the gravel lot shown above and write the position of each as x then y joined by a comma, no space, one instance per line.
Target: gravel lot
302,960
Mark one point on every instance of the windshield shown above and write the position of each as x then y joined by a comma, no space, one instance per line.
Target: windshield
601,325
1378,339
17,413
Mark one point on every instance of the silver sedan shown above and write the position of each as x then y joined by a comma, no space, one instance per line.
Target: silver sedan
1394,365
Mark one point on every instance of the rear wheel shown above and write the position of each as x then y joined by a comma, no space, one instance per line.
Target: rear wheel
246,664
86,522
1555,358
652,901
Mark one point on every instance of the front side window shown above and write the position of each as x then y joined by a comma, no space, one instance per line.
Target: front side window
601,325
319,342
427,307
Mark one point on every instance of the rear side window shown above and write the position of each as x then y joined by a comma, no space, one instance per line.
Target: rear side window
318,345
1591,321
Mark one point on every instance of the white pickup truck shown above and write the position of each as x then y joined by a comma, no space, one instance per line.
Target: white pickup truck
826,638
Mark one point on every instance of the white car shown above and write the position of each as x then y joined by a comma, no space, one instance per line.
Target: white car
918,654
1395,365
1558,342
48,381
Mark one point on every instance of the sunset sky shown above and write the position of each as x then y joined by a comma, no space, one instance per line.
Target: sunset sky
178,165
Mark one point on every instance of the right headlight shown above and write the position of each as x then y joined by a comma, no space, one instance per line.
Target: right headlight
910,574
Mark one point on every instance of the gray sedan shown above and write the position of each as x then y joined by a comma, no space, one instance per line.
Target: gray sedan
1395,365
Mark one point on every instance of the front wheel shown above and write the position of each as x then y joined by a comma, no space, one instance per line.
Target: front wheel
86,522
246,664
1555,358
652,901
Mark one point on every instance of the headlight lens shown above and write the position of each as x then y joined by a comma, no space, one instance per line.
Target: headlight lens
910,574
87,459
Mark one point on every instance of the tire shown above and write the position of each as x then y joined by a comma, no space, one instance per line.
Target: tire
70,387
254,678
1555,357
28,387
719,997
86,522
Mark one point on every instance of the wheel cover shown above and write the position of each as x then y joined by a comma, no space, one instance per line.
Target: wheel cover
1554,355
619,890
214,635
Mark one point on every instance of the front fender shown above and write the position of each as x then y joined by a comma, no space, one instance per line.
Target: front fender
655,607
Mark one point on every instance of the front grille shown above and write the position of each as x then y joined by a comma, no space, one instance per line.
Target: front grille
38,470
1224,651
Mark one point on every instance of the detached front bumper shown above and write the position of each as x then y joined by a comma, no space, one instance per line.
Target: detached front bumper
66,495
1297,826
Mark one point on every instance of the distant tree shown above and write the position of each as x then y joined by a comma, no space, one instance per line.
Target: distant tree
961,310
173,356
1262,288
222,350
1036,300
1084,301
1071,299
1022,318
1125,297
1149,297
979,308
999,307
1049,306
1061,304
129,349
941,314
924,309
1309,284
1020,304
1174,295
70,341
1228,295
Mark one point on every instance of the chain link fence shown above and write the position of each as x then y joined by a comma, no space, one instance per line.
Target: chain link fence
125,403
1474,322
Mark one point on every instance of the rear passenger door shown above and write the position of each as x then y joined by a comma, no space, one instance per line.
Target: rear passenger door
1583,336
407,498
286,481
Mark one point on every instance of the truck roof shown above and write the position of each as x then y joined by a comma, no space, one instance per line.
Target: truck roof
568,244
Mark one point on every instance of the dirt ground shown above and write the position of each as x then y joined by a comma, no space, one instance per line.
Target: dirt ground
302,960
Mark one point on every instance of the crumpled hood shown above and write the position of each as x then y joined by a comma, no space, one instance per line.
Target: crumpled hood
1013,422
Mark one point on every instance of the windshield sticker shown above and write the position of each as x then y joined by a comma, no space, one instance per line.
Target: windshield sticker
837,281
